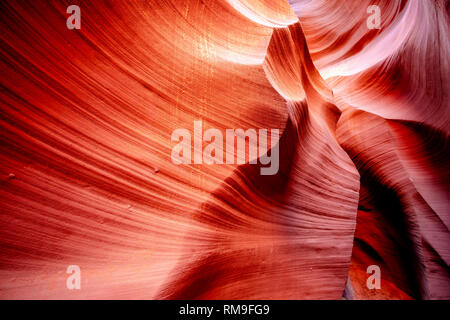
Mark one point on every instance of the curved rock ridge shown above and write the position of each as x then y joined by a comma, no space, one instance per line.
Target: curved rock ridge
87,178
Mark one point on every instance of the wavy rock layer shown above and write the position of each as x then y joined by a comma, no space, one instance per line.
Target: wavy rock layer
86,119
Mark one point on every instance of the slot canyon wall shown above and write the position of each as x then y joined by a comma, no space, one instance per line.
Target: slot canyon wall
86,176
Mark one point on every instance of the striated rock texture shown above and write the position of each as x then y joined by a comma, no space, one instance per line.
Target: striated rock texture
86,118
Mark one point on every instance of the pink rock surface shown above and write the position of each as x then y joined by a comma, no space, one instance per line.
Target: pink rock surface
86,118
